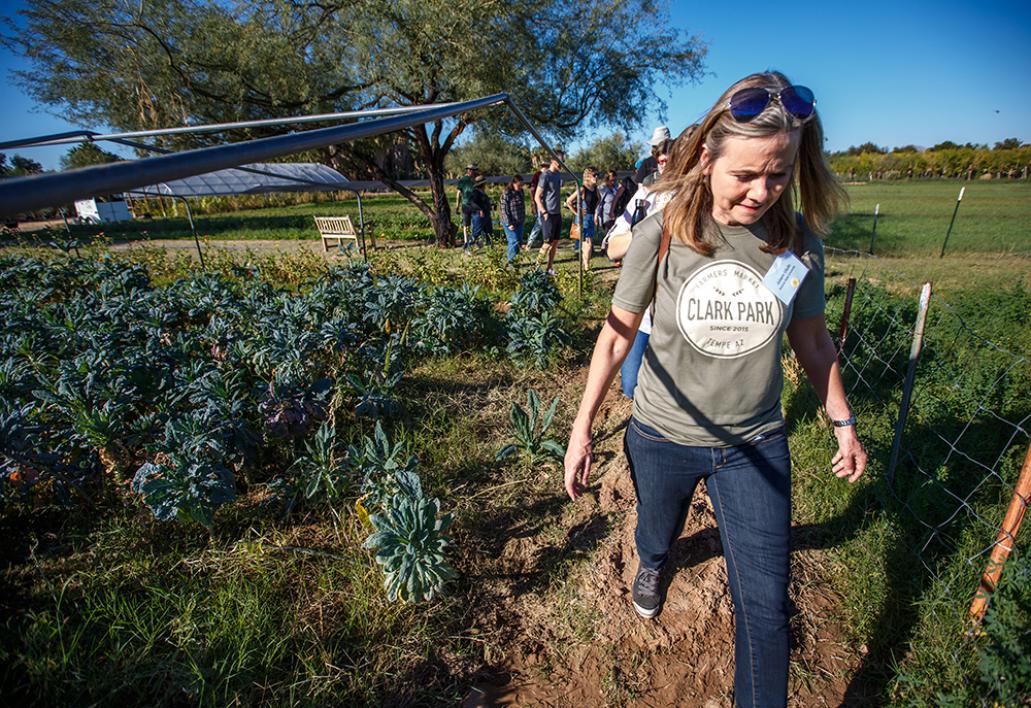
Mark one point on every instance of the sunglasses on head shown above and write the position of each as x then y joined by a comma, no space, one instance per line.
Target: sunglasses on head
748,103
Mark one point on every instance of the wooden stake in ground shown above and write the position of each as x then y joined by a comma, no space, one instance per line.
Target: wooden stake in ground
843,327
1005,540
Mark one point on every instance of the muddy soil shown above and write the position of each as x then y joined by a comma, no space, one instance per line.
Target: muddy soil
578,642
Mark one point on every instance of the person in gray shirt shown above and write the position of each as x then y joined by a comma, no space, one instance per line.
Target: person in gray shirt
549,206
727,268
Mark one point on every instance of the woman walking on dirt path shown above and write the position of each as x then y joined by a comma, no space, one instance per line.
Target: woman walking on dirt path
727,268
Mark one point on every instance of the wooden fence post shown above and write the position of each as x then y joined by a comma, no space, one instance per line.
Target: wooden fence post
907,391
843,325
1004,541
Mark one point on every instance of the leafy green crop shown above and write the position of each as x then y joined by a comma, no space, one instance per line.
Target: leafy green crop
528,438
411,543
533,329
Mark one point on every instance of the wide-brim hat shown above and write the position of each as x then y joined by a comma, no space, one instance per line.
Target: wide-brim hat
659,136
479,180
472,166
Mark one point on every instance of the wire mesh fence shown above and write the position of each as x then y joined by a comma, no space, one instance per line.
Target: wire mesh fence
958,434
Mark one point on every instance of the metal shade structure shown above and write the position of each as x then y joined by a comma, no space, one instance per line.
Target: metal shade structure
28,193
258,178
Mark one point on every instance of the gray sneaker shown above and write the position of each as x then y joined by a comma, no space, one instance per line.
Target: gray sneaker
647,591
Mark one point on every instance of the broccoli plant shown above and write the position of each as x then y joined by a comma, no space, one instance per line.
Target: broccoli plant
410,540
527,437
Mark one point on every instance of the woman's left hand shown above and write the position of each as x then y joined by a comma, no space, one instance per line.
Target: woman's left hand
850,461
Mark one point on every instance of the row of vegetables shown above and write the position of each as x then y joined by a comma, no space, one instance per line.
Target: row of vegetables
114,389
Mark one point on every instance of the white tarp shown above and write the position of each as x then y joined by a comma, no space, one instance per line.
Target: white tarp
90,211
290,177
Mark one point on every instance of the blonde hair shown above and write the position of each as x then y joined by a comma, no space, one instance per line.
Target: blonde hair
813,184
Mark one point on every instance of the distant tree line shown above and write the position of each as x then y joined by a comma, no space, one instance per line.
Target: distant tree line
1008,158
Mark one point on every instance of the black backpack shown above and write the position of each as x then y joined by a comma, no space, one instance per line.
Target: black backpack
624,193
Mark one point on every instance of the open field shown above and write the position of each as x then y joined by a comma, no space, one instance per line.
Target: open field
278,605
994,217
914,217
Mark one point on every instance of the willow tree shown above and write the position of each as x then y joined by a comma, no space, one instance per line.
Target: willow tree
569,64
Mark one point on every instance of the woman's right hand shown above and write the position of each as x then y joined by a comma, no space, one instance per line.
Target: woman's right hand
578,461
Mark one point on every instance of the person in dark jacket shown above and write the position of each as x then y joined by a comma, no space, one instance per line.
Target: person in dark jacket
513,215
481,221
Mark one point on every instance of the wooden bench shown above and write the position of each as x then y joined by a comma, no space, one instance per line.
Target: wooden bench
336,228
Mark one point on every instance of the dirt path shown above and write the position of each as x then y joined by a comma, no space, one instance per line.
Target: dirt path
579,643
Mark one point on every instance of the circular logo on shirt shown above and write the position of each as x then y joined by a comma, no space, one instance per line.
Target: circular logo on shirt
725,311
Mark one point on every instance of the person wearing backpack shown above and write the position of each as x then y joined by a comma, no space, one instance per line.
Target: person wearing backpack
463,193
650,165
480,206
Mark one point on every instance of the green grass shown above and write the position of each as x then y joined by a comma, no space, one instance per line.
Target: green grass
141,613
914,217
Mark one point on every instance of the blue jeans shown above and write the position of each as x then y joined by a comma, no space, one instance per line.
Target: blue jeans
750,488
632,364
482,226
514,234
586,232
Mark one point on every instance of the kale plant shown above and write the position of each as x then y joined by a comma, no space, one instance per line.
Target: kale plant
534,337
319,475
450,320
188,477
527,437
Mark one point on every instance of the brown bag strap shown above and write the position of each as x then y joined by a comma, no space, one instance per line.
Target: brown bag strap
663,252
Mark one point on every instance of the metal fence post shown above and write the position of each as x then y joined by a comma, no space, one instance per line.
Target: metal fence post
907,391
1004,541
873,232
954,212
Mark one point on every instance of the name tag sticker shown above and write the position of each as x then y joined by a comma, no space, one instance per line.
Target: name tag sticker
785,276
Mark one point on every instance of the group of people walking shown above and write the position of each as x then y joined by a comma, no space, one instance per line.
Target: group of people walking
593,205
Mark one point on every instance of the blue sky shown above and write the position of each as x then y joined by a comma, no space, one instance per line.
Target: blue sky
894,73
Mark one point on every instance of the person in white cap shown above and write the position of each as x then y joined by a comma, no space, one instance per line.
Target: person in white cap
660,137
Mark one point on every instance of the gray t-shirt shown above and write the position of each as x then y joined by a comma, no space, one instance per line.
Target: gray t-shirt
711,374
550,186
